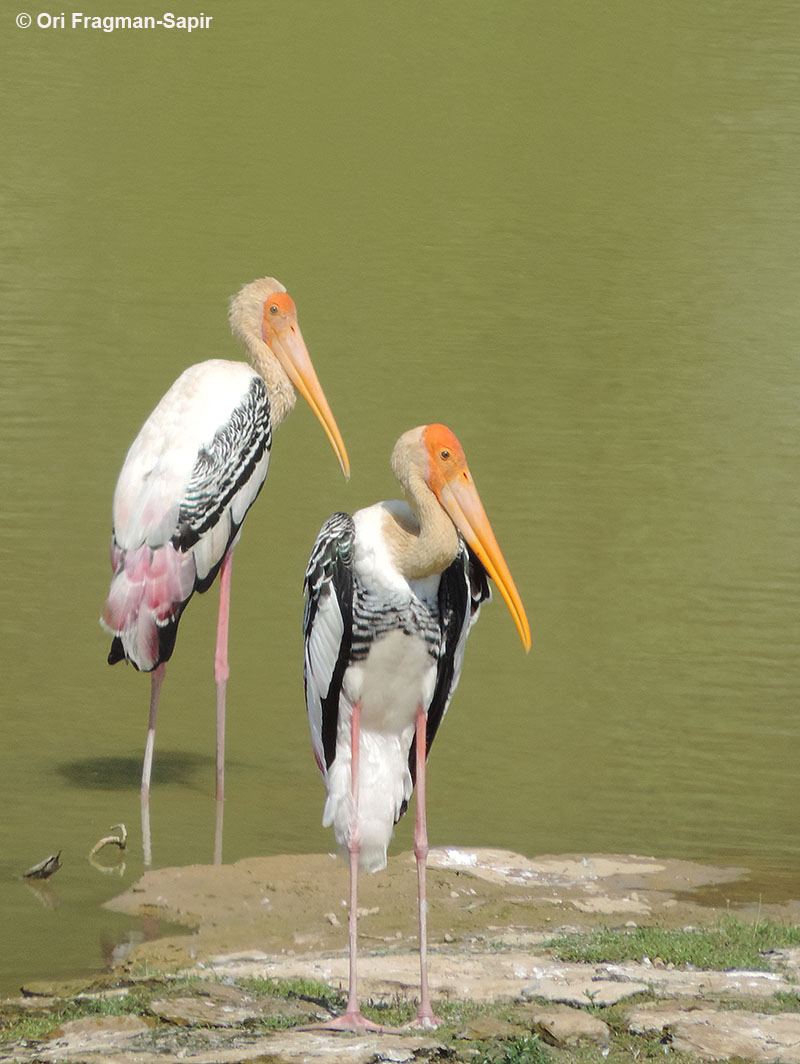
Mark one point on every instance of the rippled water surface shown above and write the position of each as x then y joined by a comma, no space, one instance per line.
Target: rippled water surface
570,232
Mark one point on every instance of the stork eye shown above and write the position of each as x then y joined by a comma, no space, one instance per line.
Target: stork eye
274,308
445,454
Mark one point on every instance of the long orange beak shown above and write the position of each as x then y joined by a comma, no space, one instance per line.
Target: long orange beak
287,344
461,501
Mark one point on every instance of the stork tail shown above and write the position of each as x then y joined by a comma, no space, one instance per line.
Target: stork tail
148,594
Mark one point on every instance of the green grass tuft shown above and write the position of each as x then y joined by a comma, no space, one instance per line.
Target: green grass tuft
308,989
788,1001
527,1050
17,1027
732,943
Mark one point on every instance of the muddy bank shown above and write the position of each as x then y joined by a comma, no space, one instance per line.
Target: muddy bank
297,905
491,912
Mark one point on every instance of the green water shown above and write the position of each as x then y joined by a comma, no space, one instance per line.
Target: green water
567,230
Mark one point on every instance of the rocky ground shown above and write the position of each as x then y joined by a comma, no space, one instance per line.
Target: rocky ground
505,996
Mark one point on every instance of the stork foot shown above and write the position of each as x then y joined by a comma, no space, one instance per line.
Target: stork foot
352,1020
425,1019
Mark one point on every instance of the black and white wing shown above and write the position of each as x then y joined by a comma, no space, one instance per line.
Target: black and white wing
185,487
227,477
328,630
463,588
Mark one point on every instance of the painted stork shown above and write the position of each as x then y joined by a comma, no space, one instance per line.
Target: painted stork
190,477
391,594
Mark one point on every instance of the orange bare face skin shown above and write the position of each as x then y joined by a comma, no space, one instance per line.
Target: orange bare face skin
447,458
281,333
279,305
452,484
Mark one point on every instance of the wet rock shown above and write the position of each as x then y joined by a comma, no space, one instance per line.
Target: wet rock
484,1028
93,1034
224,1047
307,1047
228,1006
59,988
562,1026
581,984
677,982
711,1035
206,1010
577,984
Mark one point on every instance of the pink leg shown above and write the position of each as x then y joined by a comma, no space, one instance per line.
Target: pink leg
221,670
156,680
352,1014
147,846
425,1016
218,833
352,1018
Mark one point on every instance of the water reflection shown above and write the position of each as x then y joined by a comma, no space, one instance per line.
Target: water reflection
147,835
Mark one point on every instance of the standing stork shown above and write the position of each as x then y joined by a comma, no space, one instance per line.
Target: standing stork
391,594
189,478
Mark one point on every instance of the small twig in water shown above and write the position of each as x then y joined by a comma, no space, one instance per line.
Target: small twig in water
111,840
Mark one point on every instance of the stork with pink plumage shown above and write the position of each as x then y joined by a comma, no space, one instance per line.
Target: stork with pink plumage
188,481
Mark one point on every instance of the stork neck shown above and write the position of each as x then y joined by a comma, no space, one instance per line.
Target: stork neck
427,545
282,396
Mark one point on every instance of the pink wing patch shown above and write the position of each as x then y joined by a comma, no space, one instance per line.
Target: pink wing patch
147,588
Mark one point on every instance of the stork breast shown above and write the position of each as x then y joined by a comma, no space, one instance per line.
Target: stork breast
397,676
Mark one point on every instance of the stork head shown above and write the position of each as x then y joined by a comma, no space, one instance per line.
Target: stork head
264,310
441,459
